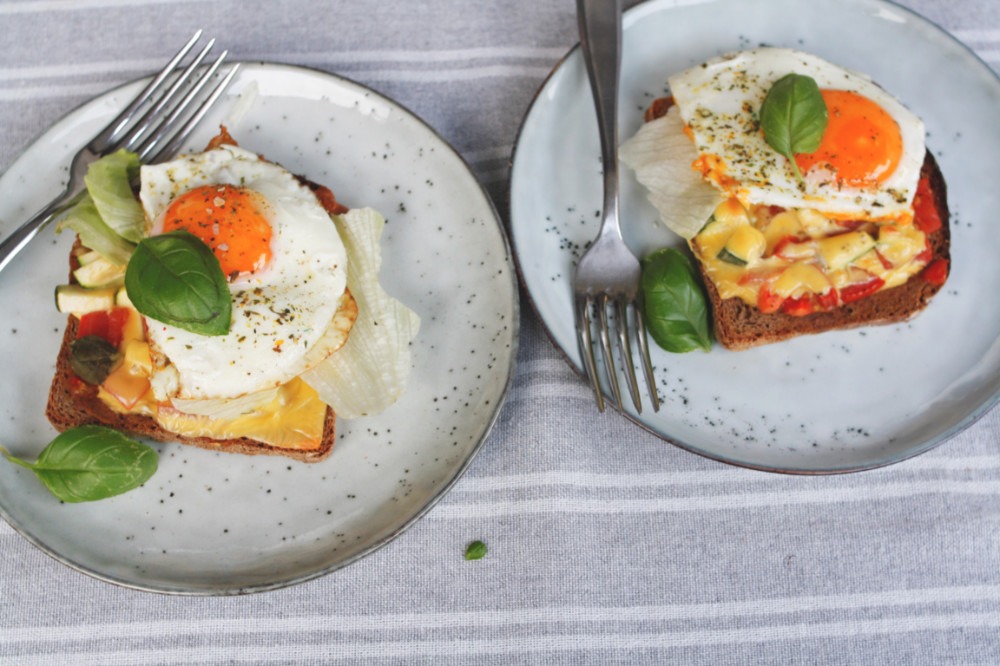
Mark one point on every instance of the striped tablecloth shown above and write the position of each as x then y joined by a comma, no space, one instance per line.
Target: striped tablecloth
605,544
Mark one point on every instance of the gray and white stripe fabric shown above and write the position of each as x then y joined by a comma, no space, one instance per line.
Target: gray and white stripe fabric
606,545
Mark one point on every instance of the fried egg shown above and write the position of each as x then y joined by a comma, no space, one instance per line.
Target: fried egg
867,166
286,266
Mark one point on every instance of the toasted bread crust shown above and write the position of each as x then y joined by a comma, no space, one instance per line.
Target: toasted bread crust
73,402
741,326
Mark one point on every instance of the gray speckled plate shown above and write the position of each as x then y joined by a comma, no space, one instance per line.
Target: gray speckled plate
836,402
212,523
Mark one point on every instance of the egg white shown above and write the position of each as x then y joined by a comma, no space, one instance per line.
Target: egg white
719,102
280,313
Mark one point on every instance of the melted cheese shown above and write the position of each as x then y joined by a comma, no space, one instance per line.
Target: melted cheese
292,416
800,251
294,419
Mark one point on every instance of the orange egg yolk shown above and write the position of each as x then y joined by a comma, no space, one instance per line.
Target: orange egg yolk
229,220
862,143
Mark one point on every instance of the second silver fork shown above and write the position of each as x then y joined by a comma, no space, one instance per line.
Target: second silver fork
607,277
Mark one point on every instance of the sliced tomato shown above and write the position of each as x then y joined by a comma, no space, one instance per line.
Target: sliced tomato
108,324
829,300
925,212
768,301
858,290
798,307
936,272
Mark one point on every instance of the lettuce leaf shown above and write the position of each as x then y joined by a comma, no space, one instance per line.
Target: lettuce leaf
109,185
661,155
369,372
85,220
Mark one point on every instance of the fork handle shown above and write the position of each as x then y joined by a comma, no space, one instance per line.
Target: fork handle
600,23
24,233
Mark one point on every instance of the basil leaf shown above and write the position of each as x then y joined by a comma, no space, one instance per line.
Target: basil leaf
92,463
675,308
794,117
93,358
475,551
175,278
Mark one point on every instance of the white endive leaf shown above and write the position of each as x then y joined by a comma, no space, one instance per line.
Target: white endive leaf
661,155
367,374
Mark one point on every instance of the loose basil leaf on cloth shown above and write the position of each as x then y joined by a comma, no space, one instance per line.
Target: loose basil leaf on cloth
176,279
675,308
475,551
794,117
91,463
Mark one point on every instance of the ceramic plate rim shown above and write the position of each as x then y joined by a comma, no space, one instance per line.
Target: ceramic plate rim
489,422
641,9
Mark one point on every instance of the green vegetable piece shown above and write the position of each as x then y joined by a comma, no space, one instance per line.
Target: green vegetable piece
109,183
675,308
84,219
93,358
475,551
91,463
730,258
794,117
175,278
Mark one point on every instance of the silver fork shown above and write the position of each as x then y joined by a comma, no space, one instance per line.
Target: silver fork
165,122
607,277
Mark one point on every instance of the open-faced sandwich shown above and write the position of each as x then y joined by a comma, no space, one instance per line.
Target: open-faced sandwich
218,300
804,191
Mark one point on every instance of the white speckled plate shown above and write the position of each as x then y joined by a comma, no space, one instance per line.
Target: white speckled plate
213,523
836,402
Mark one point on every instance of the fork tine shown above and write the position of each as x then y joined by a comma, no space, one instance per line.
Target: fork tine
647,365
609,361
174,144
157,112
165,128
586,343
111,132
625,349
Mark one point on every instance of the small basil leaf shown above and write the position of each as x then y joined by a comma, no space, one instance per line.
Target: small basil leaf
93,358
675,308
91,463
475,551
794,117
175,278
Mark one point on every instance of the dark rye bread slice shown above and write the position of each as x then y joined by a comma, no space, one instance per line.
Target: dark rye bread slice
73,402
741,326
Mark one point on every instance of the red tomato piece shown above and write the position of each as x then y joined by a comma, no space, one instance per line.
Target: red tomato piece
93,323
925,213
828,301
768,301
117,319
936,272
109,324
798,307
858,290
